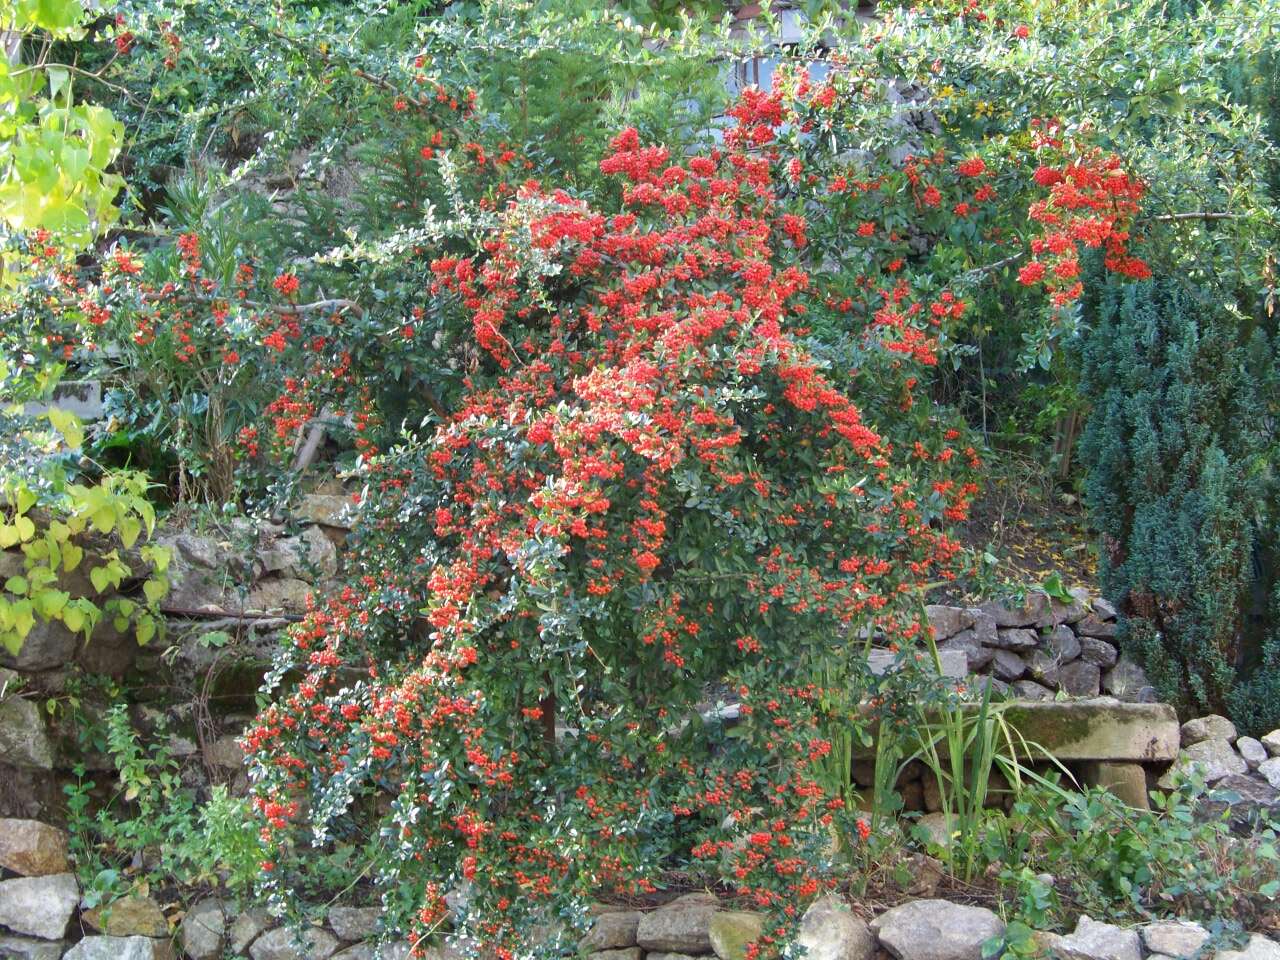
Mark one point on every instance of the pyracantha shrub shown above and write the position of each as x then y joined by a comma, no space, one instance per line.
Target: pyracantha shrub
660,491
650,491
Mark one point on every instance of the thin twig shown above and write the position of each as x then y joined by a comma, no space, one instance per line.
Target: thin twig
1195,215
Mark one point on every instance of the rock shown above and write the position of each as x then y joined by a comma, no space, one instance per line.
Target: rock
830,931
39,906
656,955
1098,652
612,930
1033,608
1128,781
1062,644
1100,729
32,848
1080,678
936,930
1251,751
24,741
938,827
955,663
732,931
224,752
1270,770
1213,759
286,593
627,953
1258,948
1007,665
1128,682
111,652
326,509
1247,801
131,916
1272,742
354,923
948,621
20,948
202,930
976,655
1092,626
1030,690
286,943
1016,639
922,875
399,950
1212,727
998,688
1098,941
1060,613
1103,609
199,574
120,948
984,627
48,646
1044,666
246,928
1174,938
912,795
310,556
682,926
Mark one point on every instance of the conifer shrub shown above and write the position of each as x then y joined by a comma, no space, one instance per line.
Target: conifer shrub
1175,446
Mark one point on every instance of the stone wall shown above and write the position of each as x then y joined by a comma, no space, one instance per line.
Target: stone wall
1040,647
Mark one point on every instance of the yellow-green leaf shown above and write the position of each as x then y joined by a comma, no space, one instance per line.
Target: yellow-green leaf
23,499
104,519
50,603
73,617
100,578
130,527
69,425
155,588
23,617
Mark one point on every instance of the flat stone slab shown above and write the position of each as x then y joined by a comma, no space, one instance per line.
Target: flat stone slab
1094,729
1099,729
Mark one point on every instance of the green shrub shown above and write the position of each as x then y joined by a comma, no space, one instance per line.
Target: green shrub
153,828
1065,853
1175,447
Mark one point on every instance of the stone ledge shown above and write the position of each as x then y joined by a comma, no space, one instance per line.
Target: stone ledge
1099,729
1094,729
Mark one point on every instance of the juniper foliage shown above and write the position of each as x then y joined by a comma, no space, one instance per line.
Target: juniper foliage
1177,446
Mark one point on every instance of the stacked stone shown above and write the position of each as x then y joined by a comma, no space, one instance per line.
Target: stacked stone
40,898
694,926
42,917
1040,647
1245,766
209,932
254,581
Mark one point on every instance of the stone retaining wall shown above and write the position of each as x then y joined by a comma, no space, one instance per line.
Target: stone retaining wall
1039,647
